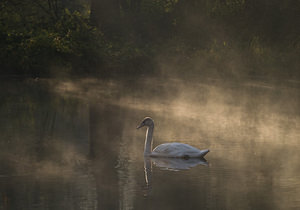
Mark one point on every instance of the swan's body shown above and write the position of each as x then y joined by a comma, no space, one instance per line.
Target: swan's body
177,150
175,164
168,150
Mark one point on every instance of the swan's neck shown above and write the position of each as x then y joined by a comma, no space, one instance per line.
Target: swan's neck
148,141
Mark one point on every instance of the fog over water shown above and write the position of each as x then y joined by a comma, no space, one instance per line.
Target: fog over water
73,144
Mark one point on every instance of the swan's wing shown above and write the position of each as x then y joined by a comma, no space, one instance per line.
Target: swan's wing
174,146
176,150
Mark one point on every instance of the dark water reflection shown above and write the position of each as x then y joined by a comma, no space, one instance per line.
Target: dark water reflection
73,145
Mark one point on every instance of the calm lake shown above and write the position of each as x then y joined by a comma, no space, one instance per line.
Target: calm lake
73,144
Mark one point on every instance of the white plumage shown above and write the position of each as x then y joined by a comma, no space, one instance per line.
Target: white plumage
169,150
177,150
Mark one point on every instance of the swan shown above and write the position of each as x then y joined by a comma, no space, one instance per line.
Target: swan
168,150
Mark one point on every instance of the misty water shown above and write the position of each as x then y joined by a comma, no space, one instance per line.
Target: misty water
73,144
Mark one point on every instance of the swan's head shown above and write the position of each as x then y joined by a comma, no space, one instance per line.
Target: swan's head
146,122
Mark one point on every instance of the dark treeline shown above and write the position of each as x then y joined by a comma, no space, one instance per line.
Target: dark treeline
125,37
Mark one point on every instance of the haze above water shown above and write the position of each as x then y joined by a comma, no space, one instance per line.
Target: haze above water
72,144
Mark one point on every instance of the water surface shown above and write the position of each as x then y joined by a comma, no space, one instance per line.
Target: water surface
72,144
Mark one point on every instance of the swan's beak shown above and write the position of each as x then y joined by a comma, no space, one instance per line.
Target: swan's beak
141,125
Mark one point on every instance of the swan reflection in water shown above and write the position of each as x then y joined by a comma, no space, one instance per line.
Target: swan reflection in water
171,164
176,164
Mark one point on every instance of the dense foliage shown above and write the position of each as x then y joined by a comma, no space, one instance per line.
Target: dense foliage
39,36
214,37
